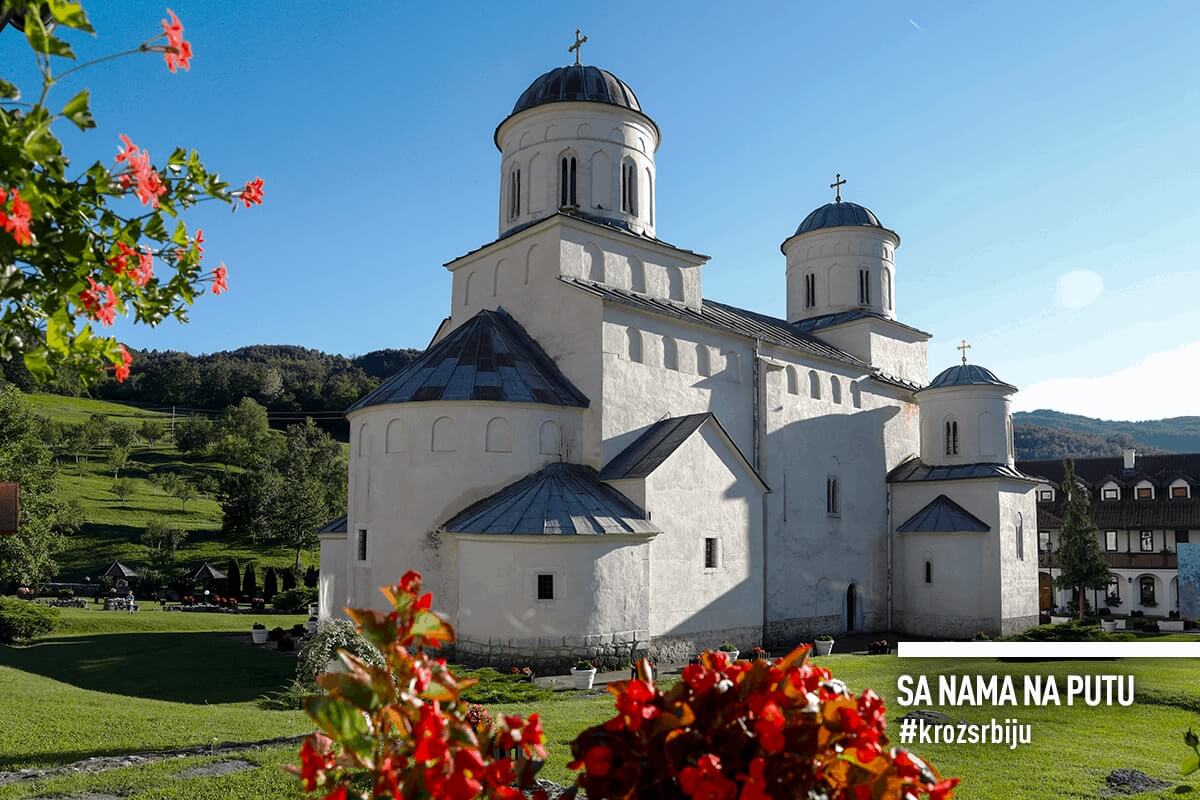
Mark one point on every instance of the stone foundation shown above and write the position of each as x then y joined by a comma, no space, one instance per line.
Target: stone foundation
791,631
679,648
1014,625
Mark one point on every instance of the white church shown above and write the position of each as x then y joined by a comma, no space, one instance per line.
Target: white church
592,459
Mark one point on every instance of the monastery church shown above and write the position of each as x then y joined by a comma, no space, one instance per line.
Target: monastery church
591,459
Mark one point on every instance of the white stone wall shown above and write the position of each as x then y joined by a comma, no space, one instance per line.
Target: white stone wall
331,590
984,417
1019,565
897,351
601,138
835,256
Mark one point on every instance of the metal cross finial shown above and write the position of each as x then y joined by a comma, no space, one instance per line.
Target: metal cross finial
578,46
964,347
837,184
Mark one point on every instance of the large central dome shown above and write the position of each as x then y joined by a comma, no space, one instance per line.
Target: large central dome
577,83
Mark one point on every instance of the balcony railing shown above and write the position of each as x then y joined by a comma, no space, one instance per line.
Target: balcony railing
1048,559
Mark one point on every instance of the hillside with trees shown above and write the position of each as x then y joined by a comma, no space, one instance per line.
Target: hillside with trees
1171,435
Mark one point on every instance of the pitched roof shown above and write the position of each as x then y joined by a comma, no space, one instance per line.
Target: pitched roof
488,357
738,321
1158,469
967,375
10,508
337,525
943,515
916,470
207,572
812,324
659,441
559,499
119,570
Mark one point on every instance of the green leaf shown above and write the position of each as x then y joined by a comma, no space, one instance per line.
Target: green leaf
1190,764
78,112
180,236
9,91
342,722
70,14
38,363
58,331
42,41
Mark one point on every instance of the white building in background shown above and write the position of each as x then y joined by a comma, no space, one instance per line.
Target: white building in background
591,458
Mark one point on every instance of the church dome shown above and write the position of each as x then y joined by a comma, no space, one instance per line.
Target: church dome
836,215
967,375
579,83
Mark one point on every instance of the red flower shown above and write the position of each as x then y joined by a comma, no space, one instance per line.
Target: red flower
145,268
410,582
754,785
178,52
633,703
198,242
705,781
387,782
252,194
146,182
942,789
430,733
500,773
337,794
314,761
122,370
99,301
16,223
700,678
598,760
220,279
120,261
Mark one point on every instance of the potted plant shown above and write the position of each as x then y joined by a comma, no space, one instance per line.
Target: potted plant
1108,625
583,674
823,644
758,654
729,649
258,633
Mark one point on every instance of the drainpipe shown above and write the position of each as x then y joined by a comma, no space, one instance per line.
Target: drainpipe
758,422
890,558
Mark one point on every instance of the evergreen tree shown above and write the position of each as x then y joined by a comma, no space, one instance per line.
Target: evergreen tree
1080,560
312,576
270,585
289,579
249,582
233,586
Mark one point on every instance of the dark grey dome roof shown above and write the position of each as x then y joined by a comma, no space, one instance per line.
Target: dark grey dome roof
579,83
967,375
834,215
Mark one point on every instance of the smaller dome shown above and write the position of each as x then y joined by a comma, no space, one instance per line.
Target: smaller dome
577,83
967,375
836,215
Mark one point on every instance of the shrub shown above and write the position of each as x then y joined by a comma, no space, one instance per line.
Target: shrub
1073,631
333,635
21,620
728,647
492,686
583,664
275,634
824,637
66,593
295,599
286,644
258,626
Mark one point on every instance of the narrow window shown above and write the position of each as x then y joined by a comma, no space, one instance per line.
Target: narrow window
545,587
1147,541
1020,537
887,290
835,390
1144,493
951,437
810,290
814,385
361,553
567,182
831,495
1146,584
710,553
1110,541
514,194
928,572
629,190
864,287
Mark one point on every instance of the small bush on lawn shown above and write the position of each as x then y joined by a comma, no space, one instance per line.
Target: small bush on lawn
500,687
1072,631
21,620
333,635
295,599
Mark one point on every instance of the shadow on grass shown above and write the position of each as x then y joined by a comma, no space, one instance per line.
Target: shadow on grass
199,668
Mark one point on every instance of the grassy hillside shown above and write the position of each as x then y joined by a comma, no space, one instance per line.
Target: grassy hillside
112,530
1173,435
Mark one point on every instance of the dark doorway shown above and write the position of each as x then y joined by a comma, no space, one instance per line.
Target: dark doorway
851,607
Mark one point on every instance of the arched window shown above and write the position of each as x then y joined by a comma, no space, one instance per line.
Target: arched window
514,193
670,353
928,572
498,436
675,283
832,501
363,442
864,287
445,437
951,437
629,188
650,195
793,381
856,394
395,437
887,289
1020,532
633,344
733,366
814,385
703,361
637,275
810,290
835,389
467,288
550,439
567,193
1146,591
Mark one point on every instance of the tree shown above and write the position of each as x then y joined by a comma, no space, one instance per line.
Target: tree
194,434
96,430
121,434
233,579
249,582
287,577
244,434
1080,560
118,459
151,431
71,254
163,540
123,489
184,492
28,556
247,502
270,585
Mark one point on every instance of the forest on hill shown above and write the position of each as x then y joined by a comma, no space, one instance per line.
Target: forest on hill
1046,428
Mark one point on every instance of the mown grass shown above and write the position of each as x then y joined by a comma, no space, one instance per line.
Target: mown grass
93,620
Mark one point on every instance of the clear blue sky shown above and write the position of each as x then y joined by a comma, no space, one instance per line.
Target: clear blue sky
1009,144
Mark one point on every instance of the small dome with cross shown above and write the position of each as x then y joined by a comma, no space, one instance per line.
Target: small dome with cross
579,83
967,375
839,214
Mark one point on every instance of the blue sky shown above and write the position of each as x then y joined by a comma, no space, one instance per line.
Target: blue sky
1037,159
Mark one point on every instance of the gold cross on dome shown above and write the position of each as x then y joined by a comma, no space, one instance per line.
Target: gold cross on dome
578,46
837,184
964,347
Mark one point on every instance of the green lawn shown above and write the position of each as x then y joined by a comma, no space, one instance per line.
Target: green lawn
112,530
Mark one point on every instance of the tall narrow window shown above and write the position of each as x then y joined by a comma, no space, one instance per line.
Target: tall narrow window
1020,536
361,545
1110,541
928,572
864,287
514,194
1147,541
629,188
810,290
831,495
887,290
545,587
710,553
951,437
567,182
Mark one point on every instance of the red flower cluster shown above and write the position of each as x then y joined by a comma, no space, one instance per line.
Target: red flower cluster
16,221
406,726
99,301
220,279
123,260
179,52
749,730
122,370
144,179
252,193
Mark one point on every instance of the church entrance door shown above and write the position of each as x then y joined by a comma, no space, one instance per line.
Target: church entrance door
851,607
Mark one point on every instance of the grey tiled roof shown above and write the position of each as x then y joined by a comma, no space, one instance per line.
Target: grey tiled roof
489,357
559,499
834,215
659,441
943,515
119,570
916,470
1158,469
734,320
967,375
334,525
207,572
813,324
